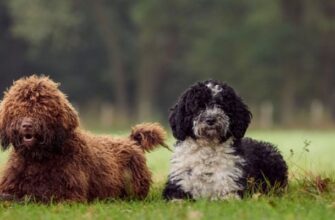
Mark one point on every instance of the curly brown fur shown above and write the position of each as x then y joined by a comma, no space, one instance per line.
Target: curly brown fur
54,160
149,135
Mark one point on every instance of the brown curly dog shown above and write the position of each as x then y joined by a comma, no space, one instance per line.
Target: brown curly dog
54,160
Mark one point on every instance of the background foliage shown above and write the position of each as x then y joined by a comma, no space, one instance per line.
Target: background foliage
136,57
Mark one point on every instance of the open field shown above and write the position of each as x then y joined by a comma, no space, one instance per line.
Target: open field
311,195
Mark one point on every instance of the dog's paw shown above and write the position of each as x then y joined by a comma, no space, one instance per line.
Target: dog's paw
178,201
7,197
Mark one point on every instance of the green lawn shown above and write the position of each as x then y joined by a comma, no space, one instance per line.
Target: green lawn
311,194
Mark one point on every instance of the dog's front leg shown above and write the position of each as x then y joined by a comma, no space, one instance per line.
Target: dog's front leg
174,192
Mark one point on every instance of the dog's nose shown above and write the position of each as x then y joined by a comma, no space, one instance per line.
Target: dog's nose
27,124
210,121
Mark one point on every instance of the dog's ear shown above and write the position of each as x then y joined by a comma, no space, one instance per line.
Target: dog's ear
237,110
181,117
60,137
69,117
240,119
175,120
191,102
4,139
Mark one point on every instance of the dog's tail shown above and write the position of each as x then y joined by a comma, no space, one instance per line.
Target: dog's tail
149,136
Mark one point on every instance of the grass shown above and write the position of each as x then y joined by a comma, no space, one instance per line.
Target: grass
311,194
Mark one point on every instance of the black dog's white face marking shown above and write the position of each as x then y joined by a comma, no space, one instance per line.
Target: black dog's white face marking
214,88
206,100
210,124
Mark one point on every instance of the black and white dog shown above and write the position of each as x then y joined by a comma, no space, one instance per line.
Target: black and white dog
212,159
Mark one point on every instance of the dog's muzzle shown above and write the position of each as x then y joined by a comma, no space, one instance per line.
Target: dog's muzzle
27,132
211,124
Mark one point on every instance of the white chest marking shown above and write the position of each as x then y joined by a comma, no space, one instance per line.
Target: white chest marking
206,171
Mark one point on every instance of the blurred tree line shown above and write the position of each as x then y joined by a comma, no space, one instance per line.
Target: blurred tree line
140,55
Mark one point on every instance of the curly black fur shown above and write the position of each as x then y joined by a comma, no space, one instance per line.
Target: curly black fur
174,191
197,98
264,167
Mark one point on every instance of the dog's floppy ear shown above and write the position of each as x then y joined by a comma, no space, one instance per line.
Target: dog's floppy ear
175,120
181,117
238,112
240,119
191,102
4,139
60,137
68,116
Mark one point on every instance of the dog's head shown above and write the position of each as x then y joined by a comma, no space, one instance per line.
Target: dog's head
36,116
210,111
